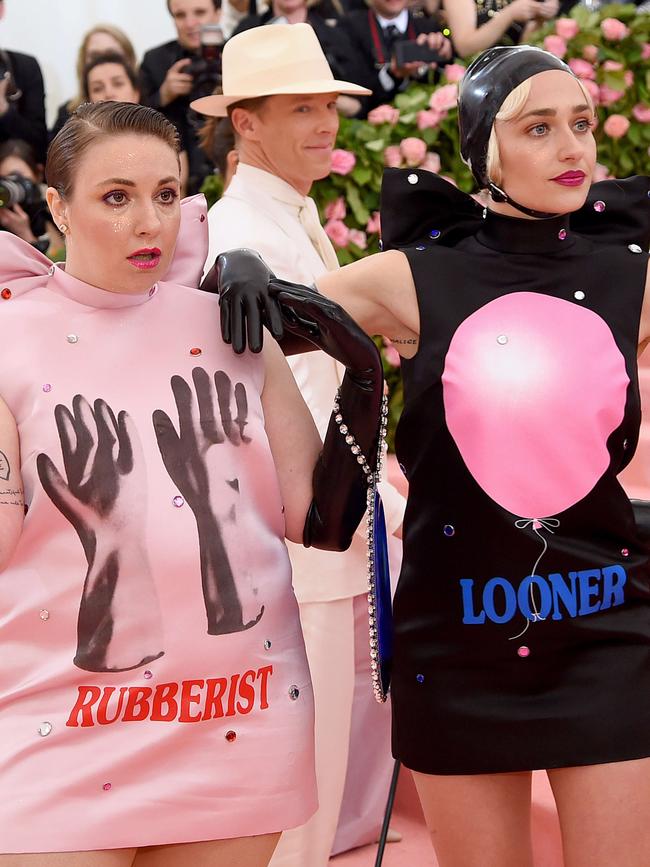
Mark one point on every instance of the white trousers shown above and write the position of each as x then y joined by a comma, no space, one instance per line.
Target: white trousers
353,760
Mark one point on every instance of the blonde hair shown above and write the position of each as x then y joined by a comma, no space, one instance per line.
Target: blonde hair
511,108
126,48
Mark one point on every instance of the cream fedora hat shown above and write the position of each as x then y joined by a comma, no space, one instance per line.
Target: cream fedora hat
270,60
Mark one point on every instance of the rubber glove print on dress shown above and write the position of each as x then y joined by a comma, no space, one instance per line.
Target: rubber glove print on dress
189,459
119,625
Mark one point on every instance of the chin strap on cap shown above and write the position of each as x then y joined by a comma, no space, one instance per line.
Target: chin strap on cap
499,195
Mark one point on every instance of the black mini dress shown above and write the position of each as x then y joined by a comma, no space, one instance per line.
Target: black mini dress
522,612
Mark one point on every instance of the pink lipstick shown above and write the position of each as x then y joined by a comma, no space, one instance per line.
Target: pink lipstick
145,259
570,179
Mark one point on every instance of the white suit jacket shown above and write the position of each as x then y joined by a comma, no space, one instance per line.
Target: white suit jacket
260,211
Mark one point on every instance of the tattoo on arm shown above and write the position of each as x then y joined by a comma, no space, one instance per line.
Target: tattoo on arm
12,497
5,467
411,341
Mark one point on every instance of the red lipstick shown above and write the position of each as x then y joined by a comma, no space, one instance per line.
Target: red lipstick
570,179
145,259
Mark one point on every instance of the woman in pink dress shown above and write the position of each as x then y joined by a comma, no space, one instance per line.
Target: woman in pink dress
155,699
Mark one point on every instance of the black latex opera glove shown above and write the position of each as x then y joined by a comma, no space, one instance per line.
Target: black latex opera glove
339,483
241,278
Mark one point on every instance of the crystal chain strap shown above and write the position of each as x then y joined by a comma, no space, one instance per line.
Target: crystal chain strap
372,479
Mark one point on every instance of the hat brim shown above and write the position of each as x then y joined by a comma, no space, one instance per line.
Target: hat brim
217,104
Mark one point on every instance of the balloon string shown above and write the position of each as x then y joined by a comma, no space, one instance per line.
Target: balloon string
537,524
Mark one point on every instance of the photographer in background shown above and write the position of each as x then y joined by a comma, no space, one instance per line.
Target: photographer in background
173,74
390,47
22,99
23,210
479,24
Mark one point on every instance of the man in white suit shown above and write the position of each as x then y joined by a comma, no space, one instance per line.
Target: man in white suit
281,97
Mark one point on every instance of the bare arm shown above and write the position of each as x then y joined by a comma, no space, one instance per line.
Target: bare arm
470,39
378,292
12,500
644,329
295,444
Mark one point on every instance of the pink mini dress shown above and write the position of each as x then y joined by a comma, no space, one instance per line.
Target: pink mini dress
154,686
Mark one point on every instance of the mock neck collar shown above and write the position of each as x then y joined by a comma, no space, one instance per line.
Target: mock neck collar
270,184
518,235
93,296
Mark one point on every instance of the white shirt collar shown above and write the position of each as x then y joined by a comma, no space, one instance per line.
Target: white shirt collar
401,22
270,184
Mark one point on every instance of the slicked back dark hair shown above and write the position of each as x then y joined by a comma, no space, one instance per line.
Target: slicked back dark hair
92,121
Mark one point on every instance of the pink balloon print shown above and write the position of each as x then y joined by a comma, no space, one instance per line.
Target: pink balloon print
533,386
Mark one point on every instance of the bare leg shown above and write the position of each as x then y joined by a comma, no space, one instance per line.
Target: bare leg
604,813
107,858
240,852
480,820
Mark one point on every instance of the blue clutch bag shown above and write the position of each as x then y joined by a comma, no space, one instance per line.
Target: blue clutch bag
380,605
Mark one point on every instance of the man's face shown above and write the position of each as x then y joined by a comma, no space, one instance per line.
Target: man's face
388,8
189,16
296,134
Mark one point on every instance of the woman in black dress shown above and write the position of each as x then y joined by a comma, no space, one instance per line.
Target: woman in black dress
522,613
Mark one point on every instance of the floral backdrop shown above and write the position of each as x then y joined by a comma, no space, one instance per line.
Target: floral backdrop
608,50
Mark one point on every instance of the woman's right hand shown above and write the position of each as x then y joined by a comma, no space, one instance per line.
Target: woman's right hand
243,279
523,11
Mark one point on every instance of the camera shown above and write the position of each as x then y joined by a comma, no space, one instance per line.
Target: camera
409,51
212,40
18,190
208,63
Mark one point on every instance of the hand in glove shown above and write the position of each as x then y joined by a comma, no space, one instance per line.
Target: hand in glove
241,278
339,482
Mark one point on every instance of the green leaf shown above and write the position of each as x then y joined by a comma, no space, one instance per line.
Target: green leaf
361,214
361,175
376,145
634,135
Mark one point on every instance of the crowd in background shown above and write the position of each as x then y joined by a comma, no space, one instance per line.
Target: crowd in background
380,44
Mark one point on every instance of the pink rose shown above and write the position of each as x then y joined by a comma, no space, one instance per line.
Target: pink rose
608,96
336,210
582,69
337,232
428,119
358,238
444,98
641,113
567,28
374,224
391,355
413,150
616,125
383,114
454,72
343,161
613,29
592,89
556,45
590,53
431,162
393,157
645,51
